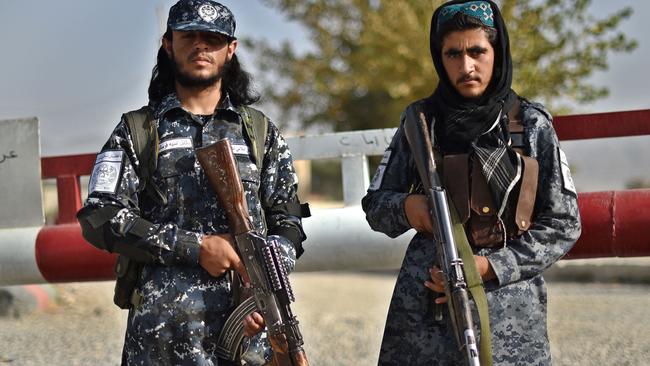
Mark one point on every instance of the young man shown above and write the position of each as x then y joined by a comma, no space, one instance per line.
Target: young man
171,220
494,169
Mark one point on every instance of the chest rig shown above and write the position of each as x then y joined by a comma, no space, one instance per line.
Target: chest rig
464,180
142,127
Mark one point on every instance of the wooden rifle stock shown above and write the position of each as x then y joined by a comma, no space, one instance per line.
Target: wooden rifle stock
220,166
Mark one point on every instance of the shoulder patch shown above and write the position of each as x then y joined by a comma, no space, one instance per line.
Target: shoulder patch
106,172
381,169
567,181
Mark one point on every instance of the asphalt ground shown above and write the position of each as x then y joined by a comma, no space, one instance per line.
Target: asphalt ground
341,315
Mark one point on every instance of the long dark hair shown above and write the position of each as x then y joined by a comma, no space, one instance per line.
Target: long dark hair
235,80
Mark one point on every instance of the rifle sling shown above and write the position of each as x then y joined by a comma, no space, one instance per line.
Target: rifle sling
474,284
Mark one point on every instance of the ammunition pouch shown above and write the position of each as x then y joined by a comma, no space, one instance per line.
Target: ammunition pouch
128,273
92,221
485,226
477,211
295,234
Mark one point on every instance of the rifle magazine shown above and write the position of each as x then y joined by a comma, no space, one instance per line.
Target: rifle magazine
232,333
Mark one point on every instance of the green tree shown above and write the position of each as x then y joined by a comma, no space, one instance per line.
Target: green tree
371,57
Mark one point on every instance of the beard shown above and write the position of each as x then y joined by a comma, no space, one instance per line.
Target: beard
188,80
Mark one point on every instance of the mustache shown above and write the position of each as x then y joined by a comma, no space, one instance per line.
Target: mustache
465,78
199,54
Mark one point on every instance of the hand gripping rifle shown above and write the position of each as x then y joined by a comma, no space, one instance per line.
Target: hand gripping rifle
417,135
271,289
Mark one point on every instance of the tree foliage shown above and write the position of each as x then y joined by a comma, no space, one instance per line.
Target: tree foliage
371,58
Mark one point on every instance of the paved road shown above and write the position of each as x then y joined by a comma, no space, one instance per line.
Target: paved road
342,318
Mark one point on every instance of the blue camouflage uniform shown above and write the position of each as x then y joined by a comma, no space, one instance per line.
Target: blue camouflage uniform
184,307
517,299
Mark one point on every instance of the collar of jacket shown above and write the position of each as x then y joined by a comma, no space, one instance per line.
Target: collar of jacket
171,101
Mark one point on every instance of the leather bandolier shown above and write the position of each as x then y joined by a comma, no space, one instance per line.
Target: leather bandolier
470,193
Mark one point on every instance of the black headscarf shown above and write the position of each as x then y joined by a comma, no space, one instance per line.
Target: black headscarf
463,125
460,121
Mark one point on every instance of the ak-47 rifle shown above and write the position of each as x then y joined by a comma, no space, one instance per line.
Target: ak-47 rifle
272,293
417,135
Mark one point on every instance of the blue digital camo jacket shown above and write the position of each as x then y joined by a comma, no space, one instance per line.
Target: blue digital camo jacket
517,298
183,306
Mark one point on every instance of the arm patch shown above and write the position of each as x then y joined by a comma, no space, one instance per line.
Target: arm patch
381,169
567,181
106,172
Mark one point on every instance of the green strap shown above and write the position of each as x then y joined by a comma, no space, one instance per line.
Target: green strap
144,137
256,126
474,284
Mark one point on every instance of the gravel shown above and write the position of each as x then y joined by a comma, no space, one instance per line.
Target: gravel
342,316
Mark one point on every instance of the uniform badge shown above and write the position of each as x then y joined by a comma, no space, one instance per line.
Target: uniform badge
106,173
567,181
381,169
240,149
179,143
207,12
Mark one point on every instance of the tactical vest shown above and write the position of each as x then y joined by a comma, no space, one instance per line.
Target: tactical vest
144,134
471,195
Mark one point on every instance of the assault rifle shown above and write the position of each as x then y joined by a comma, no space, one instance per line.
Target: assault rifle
272,293
417,135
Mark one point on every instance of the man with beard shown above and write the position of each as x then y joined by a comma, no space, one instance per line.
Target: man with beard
509,181
161,213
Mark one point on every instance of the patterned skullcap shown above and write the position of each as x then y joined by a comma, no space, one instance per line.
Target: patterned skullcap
201,15
480,10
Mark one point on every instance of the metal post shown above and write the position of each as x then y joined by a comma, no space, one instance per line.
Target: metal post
355,178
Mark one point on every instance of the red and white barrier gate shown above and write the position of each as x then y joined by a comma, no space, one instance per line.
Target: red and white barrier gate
614,223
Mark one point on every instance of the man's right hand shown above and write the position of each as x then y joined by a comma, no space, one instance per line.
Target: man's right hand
218,255
417,213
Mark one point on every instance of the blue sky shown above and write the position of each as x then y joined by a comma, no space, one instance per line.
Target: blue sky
78,64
